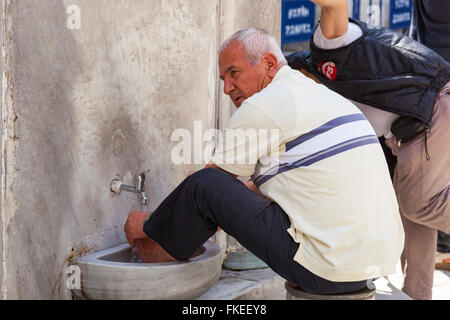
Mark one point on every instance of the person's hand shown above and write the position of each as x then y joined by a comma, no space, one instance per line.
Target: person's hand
133,227
251,185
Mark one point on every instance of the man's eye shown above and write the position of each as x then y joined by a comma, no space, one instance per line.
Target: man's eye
234,73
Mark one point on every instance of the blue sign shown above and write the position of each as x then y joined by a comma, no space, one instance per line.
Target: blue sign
400,15
297,21
356,9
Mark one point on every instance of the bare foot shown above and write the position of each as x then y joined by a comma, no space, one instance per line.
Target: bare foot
150,251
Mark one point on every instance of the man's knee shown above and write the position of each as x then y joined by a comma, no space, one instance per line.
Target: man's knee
208,175
429,212
208,178
416,212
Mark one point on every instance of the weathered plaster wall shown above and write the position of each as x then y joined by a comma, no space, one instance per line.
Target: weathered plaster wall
89,104
1,130
81,107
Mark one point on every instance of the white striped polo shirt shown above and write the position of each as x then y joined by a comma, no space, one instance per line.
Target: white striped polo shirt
326,170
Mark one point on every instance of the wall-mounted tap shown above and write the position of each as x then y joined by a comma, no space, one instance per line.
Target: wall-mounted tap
118,186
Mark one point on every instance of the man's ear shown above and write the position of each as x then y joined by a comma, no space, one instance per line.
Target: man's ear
271,62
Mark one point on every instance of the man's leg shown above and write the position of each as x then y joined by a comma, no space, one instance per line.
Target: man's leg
418,260
421,184
210,198
205,200
422,188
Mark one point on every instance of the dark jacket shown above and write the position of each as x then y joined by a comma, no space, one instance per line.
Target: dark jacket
431,25
383,69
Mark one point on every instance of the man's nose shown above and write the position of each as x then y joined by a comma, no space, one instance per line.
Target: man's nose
228,86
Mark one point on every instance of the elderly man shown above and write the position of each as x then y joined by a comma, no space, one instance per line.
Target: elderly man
320,210
403,88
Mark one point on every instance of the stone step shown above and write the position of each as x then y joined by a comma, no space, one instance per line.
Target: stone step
265,284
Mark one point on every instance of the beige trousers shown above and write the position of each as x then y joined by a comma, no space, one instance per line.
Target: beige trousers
422,188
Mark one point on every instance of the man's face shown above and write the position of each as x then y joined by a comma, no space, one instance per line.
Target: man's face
240,79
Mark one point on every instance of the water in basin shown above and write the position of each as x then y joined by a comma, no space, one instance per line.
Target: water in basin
130,255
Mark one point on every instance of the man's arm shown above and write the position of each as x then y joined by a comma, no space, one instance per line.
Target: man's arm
333,17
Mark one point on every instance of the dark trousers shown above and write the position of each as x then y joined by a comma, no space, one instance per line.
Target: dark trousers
190,215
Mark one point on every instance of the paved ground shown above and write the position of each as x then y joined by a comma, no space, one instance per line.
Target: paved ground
265,284
390,288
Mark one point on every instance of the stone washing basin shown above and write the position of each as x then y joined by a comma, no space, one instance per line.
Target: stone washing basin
116,273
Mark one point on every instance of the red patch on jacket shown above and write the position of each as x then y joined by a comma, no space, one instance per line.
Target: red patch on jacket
328,69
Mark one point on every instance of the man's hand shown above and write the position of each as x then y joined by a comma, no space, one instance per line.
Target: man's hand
249,184
133,227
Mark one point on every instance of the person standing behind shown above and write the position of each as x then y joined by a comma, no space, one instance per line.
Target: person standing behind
403,88
431,26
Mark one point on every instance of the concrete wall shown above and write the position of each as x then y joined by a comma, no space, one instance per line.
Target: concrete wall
84,106
1,131
88,105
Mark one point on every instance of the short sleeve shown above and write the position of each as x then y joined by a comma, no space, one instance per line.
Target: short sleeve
250,135
353,33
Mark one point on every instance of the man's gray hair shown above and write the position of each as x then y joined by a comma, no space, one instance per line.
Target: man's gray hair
256,43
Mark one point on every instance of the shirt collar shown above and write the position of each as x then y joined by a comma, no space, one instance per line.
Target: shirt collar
283,71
